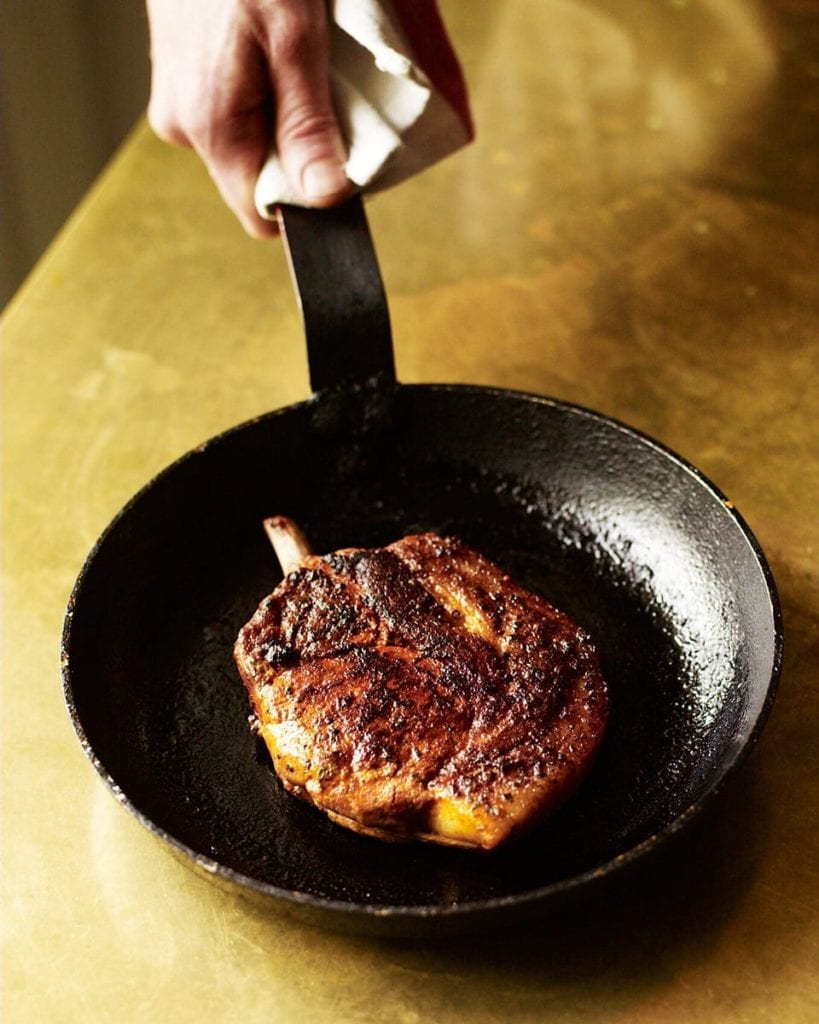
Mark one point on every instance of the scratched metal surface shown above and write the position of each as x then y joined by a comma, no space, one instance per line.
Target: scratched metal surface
635,229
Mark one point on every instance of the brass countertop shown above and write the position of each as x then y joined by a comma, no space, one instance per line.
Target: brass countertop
636,229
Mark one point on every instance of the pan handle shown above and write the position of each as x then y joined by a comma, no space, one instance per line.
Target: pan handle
341,295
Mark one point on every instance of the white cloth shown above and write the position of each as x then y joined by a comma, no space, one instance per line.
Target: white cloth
394,122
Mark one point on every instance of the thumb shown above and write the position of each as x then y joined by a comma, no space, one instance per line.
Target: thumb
308,139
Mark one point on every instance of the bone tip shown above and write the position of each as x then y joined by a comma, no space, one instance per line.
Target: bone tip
278,524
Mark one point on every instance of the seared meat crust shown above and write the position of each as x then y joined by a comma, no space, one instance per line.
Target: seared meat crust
415,691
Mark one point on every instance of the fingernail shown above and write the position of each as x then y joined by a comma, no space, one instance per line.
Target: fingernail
323,178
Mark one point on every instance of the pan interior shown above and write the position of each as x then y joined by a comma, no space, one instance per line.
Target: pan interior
623,536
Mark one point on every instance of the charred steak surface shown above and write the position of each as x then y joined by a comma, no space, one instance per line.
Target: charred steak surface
415,691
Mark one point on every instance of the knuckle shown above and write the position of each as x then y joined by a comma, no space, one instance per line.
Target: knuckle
199,127
165,125
194,123
296,39
305,123
176,115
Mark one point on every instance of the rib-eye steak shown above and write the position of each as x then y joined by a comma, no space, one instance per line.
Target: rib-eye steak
415,691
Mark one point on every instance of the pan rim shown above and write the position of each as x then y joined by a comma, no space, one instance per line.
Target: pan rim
410,913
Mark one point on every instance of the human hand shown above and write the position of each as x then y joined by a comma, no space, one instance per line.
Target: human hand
232,77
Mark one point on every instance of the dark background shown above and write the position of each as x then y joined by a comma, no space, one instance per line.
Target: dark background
74,77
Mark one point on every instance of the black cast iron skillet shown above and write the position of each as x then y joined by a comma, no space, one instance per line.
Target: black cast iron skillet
623,534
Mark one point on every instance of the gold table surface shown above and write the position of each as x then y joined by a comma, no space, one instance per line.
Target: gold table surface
636,229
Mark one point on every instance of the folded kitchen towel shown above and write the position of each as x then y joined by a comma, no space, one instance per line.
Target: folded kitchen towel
399,94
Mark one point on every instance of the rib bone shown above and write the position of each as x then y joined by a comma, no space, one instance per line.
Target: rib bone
289,543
